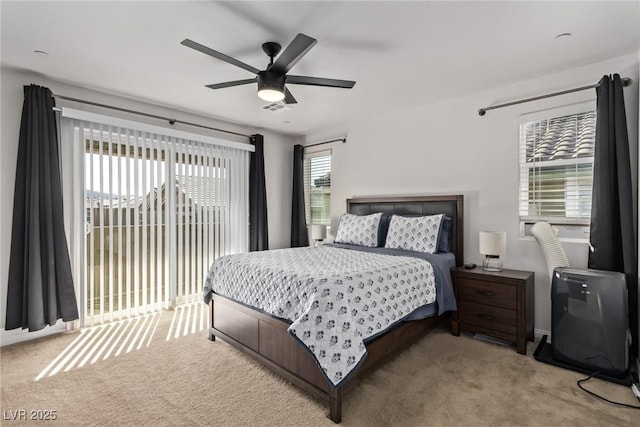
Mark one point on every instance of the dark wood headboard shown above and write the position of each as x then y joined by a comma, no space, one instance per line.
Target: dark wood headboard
451,205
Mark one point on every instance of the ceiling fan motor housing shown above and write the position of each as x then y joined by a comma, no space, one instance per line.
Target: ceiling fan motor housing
270,80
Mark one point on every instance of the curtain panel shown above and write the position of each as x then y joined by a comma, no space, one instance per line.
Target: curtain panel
613,244
40,289
258,227
299,235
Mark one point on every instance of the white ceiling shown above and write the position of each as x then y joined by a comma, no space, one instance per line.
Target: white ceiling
401,54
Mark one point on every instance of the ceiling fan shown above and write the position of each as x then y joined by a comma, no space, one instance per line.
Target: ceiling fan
272,80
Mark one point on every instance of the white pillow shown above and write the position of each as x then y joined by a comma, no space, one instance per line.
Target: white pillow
418,233
361,230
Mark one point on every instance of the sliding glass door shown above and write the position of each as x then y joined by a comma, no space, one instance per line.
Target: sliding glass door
157,211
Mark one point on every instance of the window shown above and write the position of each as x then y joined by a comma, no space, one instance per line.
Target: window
556,172
317,185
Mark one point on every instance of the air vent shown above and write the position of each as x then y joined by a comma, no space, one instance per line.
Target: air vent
278,107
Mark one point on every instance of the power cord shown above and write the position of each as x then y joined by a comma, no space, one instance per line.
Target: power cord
579,383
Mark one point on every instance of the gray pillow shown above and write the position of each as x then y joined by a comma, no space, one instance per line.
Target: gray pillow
444,240
383,229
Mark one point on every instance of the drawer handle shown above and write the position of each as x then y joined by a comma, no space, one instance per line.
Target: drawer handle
487,293
486,317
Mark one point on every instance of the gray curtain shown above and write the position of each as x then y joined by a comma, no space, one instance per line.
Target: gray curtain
258,228
299,236
40,289
614,247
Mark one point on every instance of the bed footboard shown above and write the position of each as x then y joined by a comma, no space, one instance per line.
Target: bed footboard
266,339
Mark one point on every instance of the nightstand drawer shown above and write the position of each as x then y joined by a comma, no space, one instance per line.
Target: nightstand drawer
484,292
493,318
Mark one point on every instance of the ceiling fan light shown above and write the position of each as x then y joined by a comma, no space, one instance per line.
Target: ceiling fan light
271,94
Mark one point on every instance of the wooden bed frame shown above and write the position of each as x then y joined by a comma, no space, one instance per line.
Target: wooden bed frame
266,339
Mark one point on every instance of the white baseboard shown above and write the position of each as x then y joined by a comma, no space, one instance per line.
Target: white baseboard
20,335
538,333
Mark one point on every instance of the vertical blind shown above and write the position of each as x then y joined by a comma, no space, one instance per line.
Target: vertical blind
157,210
556,168
317,186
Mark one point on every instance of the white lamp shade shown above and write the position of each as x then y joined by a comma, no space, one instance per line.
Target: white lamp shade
493,242
318,231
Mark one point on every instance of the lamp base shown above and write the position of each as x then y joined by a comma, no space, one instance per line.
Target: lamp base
492,264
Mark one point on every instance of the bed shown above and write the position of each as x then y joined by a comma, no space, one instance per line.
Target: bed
285,345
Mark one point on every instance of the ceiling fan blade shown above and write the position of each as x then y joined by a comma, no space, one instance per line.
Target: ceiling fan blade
319,81
288,97
293,53
218,55
231,84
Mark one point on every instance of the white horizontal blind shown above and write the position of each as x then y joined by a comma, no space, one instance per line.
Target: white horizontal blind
556,168
158,211
317,187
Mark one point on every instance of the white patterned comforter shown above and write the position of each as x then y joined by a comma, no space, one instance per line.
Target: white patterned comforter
335,298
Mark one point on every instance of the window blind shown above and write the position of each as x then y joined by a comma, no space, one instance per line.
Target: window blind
556,168
317,184
156,211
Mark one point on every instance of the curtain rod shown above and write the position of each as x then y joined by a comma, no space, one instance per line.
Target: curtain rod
625,82
344,140
140,113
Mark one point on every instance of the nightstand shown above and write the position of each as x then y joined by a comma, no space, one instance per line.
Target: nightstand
498,304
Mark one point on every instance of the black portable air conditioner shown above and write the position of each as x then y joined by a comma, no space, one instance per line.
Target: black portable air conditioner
590,326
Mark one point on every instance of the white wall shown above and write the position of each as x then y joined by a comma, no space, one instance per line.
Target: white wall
447,148
278,154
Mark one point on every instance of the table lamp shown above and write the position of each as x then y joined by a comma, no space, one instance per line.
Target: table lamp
318,232
492,245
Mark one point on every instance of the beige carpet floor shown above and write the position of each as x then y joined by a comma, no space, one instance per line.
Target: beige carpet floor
162,370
